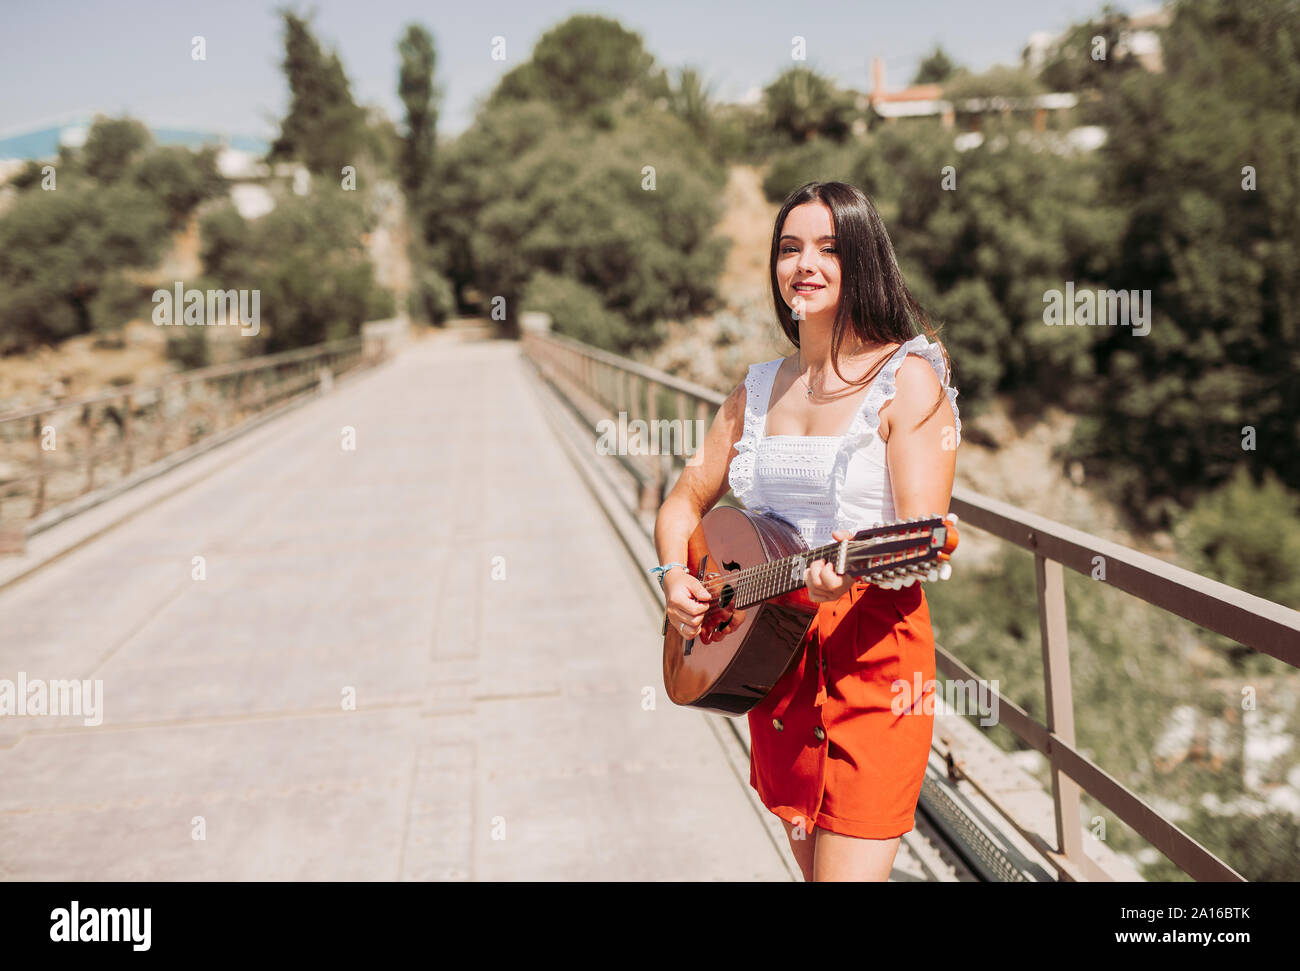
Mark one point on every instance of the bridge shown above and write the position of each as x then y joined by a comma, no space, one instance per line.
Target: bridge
383,615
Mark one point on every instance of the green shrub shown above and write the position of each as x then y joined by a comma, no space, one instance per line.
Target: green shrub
817,161
188,347
316,281
1246,535
432,298
59,250
576,311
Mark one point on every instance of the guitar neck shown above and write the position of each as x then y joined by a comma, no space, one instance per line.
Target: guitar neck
891,550
776,577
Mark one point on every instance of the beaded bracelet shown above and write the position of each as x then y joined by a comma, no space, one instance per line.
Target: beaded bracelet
660,570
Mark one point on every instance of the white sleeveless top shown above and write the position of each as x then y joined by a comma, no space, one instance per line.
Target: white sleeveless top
820,483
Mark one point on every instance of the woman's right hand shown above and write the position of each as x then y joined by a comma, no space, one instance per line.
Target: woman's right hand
687,601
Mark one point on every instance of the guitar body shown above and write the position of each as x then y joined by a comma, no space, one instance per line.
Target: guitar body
741,665
760,612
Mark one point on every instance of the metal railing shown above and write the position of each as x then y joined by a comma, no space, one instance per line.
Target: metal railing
599,383
58,458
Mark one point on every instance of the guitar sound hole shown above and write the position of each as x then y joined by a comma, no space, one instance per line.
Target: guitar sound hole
726,595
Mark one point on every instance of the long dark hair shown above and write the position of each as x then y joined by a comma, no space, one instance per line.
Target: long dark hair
874,301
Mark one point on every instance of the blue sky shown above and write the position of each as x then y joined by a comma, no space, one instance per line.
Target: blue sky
60,60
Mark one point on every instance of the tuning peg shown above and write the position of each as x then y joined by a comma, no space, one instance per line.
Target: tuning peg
909,581
932,575
945,571
952,517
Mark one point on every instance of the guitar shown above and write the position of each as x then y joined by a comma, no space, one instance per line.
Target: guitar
754,564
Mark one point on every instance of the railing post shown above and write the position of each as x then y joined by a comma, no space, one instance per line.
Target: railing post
680,413
656,490
128,443
702,416
88,422
1059,696
161,411
38,506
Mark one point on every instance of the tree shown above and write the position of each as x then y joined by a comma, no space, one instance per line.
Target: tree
110,145
1246,535
1018,222
537,194
583,184
690,101
179,178
1077,62
584,67
63,252
802,104
1203,160
432,295
416,88
316,281
998,81
323,128
936,68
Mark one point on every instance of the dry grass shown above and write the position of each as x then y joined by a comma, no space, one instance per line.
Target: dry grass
83,365
747,221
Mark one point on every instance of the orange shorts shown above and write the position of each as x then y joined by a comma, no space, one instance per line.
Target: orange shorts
843,739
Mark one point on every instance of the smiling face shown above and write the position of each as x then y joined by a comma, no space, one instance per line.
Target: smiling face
808,263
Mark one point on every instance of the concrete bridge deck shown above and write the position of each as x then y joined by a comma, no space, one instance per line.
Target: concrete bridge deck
498,731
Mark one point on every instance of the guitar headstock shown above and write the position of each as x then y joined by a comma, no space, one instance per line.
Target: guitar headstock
897,554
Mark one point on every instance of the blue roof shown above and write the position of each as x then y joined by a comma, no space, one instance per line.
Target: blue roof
43,143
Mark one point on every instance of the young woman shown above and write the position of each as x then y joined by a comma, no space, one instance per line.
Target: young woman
858,426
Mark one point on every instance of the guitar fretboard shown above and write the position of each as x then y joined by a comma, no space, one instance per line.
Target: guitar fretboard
776,577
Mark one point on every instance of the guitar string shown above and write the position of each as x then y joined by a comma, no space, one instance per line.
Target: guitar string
754,588
759,577
752,580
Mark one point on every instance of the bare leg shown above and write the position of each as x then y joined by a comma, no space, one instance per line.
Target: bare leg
839,857
801,844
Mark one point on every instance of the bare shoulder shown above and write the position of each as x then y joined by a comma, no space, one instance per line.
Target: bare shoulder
916,388
706,477
916,378
735,400
731,416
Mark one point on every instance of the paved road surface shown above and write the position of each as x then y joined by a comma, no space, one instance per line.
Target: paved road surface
498,731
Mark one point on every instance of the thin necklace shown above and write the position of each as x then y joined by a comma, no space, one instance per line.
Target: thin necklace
799,365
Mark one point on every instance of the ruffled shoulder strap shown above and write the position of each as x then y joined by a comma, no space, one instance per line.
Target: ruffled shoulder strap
885,386
866,423
758,390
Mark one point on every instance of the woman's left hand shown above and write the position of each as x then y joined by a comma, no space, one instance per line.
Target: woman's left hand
823,582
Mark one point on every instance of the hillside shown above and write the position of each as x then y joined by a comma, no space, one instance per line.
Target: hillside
1012,463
